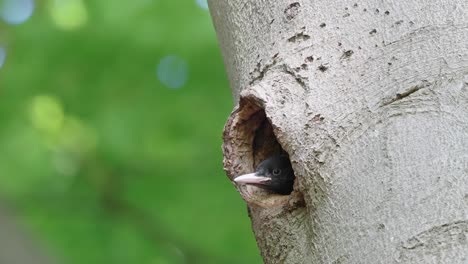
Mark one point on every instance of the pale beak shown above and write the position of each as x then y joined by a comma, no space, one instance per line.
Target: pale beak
251,178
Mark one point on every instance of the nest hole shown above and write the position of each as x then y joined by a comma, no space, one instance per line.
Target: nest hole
249,138
254,138
257,135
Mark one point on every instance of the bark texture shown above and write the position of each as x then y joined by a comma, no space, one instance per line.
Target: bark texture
370,100
16,246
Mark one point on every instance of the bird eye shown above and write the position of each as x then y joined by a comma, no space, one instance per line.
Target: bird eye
276,172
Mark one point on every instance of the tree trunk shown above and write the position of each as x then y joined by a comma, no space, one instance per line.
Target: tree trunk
16,246
370,101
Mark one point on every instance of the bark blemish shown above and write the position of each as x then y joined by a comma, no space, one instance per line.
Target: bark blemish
301,36
259,72
322,68
347,54
317,118
435,240
292,10
381,227
300,79
407,93
323,25
373,31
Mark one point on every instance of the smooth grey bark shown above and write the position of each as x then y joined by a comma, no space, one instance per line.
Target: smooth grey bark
16,247
370,101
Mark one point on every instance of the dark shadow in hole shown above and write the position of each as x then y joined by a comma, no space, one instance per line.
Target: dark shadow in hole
265,143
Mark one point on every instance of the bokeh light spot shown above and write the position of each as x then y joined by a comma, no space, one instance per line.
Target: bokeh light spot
2,56
68,14
65,163
172,71
47,113
203,4
16,11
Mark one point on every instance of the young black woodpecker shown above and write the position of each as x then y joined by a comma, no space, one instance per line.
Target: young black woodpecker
274,174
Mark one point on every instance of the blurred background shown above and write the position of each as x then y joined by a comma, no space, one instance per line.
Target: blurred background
111,116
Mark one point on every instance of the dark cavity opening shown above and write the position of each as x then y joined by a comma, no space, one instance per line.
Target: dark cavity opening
249,138
264,143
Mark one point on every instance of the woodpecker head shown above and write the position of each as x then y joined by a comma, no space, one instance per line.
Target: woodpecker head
274,174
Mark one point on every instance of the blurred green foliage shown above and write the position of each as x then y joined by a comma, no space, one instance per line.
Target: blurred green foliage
102,161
